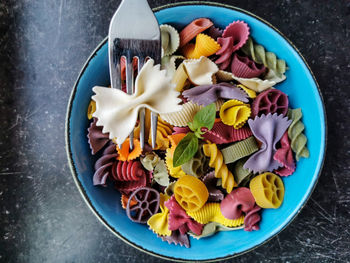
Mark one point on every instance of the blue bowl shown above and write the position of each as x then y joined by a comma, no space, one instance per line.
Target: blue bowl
303,92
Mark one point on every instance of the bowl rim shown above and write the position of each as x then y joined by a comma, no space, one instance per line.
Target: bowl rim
81,188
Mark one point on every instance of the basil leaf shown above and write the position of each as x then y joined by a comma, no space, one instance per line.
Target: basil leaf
186,149
191,126
205,117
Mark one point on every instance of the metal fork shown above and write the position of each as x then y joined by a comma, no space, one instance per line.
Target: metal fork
134,32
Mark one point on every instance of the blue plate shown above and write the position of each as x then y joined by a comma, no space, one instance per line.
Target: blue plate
303,92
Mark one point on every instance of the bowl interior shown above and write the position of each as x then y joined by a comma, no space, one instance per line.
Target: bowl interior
302,90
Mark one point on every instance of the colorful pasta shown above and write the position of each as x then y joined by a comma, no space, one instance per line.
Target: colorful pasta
204,46
96,138
254,84
200,71
268,129
296,135
234,113
158,222
268,190
224,155
270,101
193,29
91,109
239,31
197,166
206,94
284,156
210,212
215,32
124,151
103,165
175,172
225,52
243,67
239,150
222,133
217,161
170,39
186,115
259,55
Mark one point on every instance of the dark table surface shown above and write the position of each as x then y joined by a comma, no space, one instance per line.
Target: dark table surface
43,218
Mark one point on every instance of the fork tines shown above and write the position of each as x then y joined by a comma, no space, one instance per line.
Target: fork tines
141,49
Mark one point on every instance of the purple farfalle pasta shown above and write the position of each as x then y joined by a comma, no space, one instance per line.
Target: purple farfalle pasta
177,238
206,94
225,52
103,166
214,32
97,140
268,129
252,219
244,67
215,194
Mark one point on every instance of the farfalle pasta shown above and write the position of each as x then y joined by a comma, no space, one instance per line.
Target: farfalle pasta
225,134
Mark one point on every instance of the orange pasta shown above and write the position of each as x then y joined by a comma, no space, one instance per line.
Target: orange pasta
193,29
125,199
124,152
205,46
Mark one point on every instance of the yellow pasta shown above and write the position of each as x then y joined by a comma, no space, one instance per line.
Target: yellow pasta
180,77
158,223
217,161
175,172
235,113
250,93
91,109
163,130
211,212
186,115
268,190
255,84
205,46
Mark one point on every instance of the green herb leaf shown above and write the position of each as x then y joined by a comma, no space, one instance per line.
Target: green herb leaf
191,126
186,149
205,117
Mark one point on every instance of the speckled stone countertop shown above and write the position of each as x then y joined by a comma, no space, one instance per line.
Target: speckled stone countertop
43,218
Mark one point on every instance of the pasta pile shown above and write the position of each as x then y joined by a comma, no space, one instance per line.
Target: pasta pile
219,157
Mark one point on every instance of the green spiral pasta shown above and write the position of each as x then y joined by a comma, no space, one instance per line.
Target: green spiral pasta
295,134
261,56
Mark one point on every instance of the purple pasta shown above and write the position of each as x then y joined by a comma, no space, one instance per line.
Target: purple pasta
214,32
252,219
215,194
177,238
244,67
147,205
103,166
225,52
268,129
97,140
206,94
